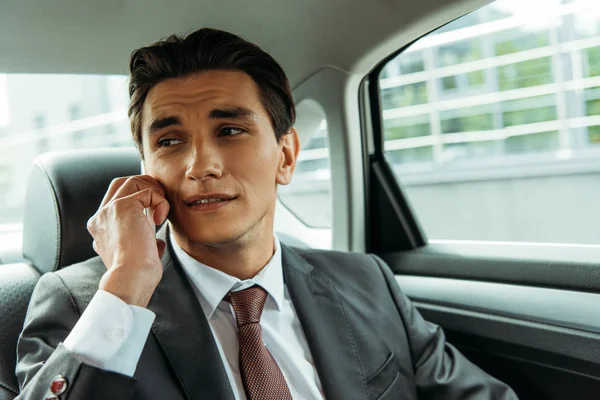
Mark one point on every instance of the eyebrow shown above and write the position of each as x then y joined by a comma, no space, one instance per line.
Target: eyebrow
224,113
232,113
162,123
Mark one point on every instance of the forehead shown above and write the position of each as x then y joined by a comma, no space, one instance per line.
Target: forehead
203,91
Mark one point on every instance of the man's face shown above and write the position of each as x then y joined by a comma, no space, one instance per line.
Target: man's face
207,137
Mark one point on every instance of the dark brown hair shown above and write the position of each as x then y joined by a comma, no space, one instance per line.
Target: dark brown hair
202,50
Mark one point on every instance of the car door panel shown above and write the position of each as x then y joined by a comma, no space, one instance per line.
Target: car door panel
543,341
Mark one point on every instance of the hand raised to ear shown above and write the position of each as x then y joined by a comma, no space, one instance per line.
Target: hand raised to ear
126,241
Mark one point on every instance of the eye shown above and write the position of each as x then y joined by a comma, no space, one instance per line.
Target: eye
230,131
168,142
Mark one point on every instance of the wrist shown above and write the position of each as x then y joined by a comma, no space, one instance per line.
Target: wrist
134,287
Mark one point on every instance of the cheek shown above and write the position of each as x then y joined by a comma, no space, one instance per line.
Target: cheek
166,173
256,168
264,162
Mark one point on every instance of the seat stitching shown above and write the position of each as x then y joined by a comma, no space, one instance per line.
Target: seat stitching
3,386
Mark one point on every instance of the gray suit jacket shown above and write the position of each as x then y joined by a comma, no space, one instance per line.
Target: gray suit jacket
367,339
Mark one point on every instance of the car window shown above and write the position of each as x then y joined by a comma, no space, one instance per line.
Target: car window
306,201
492,124
309,194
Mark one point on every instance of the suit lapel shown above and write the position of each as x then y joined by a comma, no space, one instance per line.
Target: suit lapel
184,334
325,325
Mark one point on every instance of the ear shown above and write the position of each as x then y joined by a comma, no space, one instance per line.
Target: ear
289,147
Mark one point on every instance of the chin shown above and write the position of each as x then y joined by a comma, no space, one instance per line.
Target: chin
210,233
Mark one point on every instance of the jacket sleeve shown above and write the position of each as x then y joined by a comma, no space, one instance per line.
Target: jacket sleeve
51,316
441,371
111,334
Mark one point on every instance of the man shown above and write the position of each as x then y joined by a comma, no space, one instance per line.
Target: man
217,307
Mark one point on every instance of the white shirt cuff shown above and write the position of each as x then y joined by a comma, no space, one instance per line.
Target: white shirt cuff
111,334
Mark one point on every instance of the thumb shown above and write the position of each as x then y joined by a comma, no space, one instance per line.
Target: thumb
161,245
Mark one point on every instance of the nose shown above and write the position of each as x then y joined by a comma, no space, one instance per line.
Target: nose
204,162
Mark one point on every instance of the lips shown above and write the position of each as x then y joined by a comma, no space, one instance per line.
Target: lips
208,199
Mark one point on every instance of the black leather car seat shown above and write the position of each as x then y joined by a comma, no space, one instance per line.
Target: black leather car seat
63,191
16,285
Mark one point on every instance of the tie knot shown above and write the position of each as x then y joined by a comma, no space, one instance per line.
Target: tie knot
248,304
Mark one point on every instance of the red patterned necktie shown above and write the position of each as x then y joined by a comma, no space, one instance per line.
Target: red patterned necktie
261,375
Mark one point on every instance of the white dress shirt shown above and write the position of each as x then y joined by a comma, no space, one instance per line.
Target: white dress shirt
111,334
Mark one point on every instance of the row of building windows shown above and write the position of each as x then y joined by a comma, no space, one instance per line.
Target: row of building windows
494,80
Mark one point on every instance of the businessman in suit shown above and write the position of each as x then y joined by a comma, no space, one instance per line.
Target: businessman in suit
214,306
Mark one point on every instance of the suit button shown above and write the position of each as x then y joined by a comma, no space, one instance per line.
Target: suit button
58,385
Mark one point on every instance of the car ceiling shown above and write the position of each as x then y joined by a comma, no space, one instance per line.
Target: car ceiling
97,36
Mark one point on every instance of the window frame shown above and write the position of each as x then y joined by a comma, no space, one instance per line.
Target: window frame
390,222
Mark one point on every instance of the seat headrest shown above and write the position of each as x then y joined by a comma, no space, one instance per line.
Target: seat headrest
64,190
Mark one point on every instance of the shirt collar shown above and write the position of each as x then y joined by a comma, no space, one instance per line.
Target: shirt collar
212,285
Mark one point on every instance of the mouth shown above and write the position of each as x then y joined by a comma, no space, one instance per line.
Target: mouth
209,202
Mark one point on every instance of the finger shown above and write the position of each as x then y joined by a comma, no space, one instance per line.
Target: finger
161,245
151,180
136,184
160,213
148,198
112,189
150,215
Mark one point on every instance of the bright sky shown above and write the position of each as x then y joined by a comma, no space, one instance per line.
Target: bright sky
4,114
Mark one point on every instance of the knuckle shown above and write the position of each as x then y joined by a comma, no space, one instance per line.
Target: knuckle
119,205
146,192
136,182
118,181
91,224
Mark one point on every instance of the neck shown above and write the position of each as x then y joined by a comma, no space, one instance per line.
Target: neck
242,258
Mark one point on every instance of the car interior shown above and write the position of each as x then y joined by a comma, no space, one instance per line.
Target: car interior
470,169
